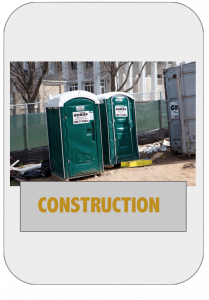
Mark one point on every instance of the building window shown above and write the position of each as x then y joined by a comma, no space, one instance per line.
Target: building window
89,86
73,87
89,64
103,89
74,65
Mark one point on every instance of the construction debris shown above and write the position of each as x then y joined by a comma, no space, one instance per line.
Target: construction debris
45,168
32,174
11,167
166,142
17,176
29,172
149,148
136,163
162,149
152,148
189,165
156,156
27,169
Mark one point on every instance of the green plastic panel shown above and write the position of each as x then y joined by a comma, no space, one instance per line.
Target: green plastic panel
55,142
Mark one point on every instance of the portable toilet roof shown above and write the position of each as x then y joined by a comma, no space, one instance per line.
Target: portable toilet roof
60,99
112,94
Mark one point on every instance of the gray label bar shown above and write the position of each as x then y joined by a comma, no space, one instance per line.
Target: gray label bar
83,206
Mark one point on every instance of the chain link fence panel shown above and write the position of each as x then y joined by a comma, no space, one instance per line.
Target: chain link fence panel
151,115
28,127
17,127
37,126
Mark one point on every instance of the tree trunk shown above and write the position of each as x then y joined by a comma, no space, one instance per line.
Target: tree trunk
112,83
60,87
60,71
31,108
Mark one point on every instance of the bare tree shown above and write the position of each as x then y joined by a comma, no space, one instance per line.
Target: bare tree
113,69
60,76
65,73
28,81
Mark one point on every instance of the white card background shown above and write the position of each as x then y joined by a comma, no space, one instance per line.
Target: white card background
92,32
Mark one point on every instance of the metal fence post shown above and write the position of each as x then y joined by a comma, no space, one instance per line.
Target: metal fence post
26,126
161,111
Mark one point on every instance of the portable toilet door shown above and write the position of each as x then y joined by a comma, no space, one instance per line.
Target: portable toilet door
118,122
74,134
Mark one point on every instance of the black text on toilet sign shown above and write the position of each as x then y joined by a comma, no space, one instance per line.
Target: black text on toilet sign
121,111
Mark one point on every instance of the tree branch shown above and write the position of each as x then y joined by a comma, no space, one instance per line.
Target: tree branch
22,72
44,70
20,81
121,65
120,88
28,83
106,65
21,91
139,75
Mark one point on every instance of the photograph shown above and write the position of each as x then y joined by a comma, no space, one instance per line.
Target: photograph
102,121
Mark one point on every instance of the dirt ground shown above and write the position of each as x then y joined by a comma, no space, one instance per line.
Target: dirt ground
165,168
169,168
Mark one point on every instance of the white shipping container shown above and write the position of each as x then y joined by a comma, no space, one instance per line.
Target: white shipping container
180,87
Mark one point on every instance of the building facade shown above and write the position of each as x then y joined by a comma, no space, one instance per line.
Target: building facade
94,77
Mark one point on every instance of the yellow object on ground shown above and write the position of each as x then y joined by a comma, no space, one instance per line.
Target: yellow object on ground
136,163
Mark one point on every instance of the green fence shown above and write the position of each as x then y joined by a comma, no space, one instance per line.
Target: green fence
17,132
151,115
29,130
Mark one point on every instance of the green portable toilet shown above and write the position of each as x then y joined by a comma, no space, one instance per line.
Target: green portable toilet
74,134
118,121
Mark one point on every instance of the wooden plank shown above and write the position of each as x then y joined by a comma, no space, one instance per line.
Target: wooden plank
136,163
156,156
108,166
